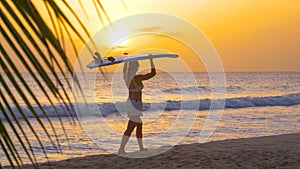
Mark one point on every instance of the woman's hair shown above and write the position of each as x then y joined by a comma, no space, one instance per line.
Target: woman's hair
129,71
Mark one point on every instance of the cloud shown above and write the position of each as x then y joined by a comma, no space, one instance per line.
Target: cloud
176,34
167,34
120,47
149,29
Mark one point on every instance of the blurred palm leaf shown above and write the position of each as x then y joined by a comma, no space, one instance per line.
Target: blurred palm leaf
23,29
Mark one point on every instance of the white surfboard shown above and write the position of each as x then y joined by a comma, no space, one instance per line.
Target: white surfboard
99,62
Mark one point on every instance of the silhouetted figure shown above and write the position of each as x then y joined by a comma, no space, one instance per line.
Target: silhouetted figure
134,105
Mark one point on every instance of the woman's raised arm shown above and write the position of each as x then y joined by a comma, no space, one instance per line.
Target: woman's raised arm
125,70
148,75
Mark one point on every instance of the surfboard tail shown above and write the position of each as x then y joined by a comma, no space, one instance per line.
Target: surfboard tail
97,57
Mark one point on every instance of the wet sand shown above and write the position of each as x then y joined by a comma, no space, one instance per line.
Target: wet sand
281,151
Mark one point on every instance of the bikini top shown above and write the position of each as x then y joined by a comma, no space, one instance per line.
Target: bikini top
137,88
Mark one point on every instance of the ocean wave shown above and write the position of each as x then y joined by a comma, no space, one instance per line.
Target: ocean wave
51,111
203,89
204,104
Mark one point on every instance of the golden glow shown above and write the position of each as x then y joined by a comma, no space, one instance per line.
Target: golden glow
248,35
112,37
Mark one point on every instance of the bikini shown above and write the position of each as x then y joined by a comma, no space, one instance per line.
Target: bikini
134,107
137,88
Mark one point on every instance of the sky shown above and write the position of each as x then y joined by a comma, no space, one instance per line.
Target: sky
248,35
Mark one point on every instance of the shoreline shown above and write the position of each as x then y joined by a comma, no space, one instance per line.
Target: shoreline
278,151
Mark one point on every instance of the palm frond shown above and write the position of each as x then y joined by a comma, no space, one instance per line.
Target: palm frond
30,156
40,47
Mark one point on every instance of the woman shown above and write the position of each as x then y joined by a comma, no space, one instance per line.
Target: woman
134,103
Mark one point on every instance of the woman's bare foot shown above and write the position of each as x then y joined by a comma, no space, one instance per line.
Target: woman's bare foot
121,152
144,149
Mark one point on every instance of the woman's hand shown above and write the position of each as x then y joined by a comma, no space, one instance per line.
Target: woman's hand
150,56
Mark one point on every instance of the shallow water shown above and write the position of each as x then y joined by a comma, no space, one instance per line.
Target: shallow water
258,104
235,123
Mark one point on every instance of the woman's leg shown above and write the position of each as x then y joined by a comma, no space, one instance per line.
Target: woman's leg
139,135
139,132
130,127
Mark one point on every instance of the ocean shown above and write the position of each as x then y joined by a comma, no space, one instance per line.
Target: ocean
257,104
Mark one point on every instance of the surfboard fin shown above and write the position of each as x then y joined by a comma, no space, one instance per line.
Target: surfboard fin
97,57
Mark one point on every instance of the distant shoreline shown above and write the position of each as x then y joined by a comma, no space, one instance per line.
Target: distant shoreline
279,151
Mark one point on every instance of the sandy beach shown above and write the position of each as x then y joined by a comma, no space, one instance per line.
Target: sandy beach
280,151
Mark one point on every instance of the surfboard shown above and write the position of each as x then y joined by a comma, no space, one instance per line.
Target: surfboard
111,60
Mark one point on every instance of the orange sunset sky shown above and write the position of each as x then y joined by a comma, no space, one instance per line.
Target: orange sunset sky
249,35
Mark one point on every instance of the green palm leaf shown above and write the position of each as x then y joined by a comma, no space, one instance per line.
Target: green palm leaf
22,30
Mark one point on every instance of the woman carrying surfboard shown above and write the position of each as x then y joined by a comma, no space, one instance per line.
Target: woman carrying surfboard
134,105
